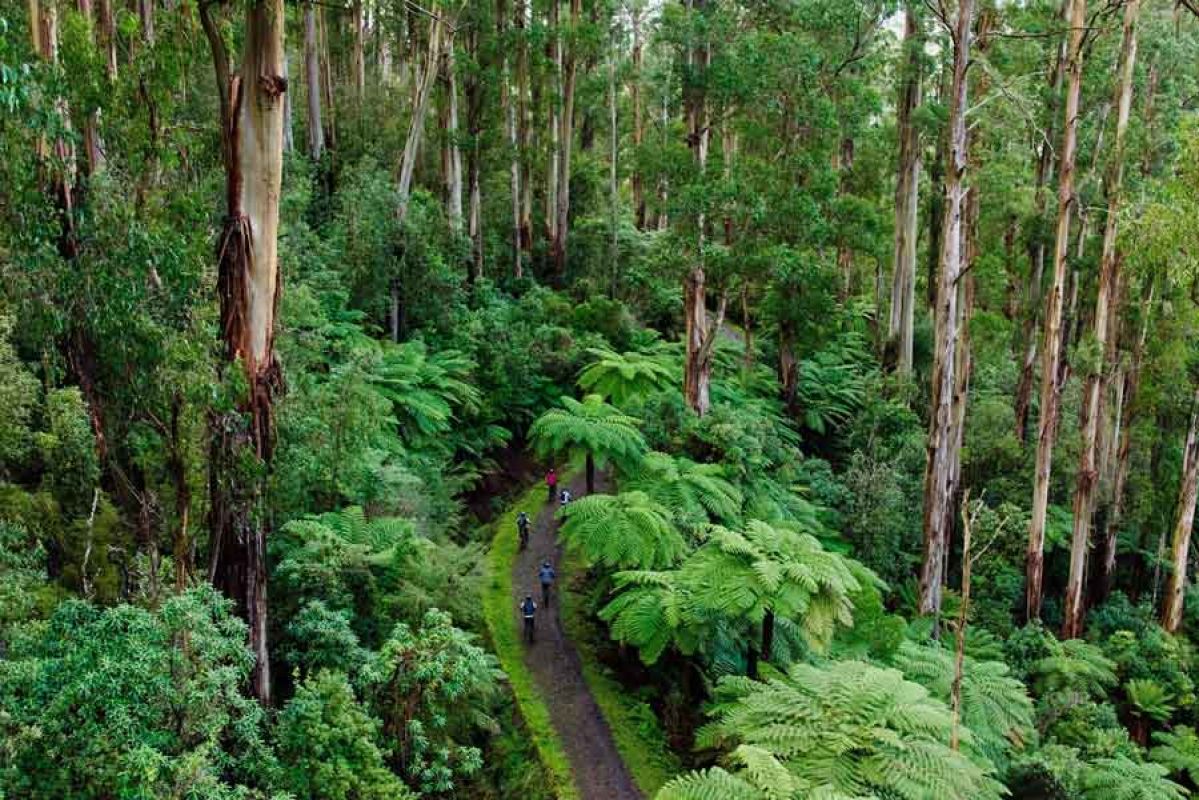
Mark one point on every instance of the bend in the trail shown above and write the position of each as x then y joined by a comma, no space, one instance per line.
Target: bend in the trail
599,771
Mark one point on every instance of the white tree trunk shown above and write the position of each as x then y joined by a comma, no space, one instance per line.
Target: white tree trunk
248,283
1052,340
1106,298
359,51
613,169
510,109
416,127
454,173
1184,523
553,172
312,78
907,200
942,439
289,142
638,118
569,74
145,10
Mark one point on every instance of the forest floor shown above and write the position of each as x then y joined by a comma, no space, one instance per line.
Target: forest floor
599,772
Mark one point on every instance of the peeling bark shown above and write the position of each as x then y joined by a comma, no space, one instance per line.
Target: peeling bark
1184,523
636,181
907,201
416,127
453,177
359,52
942,439
844,249
524,113
312,77
700,338
1105,306
1053,337
509,108
1131,384
553,170
251,104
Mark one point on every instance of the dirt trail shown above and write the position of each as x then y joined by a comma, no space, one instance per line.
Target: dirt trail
599,772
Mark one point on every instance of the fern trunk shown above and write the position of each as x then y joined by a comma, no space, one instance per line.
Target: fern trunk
590,474
767,635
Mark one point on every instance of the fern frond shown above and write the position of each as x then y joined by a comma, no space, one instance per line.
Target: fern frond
1178,751
622,377
590,426
995,706
628,530
1121,778
848,729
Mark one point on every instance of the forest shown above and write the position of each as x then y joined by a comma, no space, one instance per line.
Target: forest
599,399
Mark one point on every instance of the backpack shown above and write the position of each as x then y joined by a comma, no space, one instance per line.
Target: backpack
528,607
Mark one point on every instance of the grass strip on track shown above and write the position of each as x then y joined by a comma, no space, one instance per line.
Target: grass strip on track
635,729
505,638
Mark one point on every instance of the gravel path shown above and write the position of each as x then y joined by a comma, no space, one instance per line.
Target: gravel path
599,772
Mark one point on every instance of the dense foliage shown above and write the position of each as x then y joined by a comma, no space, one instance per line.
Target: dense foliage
870,329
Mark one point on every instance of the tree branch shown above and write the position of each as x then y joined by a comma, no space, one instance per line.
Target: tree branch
220,64
705,349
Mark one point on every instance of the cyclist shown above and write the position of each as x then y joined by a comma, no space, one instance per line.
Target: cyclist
546,575
527,609
522,525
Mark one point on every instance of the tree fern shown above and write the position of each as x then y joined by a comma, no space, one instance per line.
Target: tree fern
628,530
1150,699
378,534
844,730
1074,666
622,377
739,579
765,571
694,493
831,386
1122,778
652,612
592,428
425,390
995,706
712,784
1178,751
